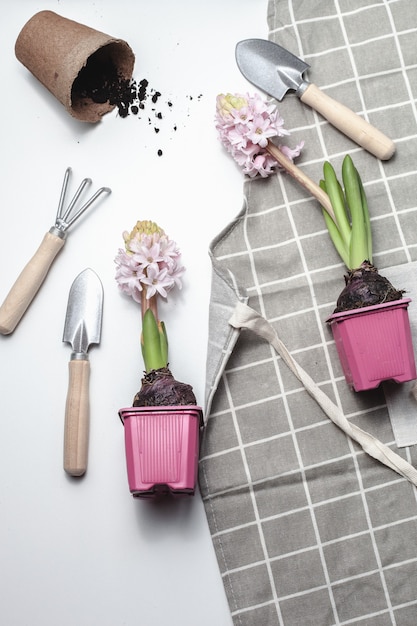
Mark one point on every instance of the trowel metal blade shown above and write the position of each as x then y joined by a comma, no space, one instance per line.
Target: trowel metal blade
84,312
270,67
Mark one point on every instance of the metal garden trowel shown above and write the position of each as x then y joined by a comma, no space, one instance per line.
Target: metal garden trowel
276,71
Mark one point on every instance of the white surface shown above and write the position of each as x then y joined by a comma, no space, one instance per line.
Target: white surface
83,552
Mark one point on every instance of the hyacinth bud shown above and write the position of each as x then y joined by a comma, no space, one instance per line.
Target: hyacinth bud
227,103
142,227
149,264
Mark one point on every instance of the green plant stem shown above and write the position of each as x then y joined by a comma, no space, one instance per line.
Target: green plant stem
367,220
163,343
350,230
335,235
358,250
154,341
337,199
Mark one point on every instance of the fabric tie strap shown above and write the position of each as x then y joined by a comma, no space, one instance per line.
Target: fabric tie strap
244,317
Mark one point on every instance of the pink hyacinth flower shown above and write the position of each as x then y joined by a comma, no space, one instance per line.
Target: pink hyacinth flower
245,125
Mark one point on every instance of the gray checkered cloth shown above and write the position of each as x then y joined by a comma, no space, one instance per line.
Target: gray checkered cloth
309,529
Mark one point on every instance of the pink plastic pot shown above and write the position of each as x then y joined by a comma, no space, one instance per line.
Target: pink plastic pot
374,344
162,445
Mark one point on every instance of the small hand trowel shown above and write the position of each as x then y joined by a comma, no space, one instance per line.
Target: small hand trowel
275,71
82,328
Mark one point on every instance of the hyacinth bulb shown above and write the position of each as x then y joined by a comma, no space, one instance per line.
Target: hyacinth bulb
160,388
365,286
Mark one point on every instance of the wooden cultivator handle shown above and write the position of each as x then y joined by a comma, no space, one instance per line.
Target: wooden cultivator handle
28,283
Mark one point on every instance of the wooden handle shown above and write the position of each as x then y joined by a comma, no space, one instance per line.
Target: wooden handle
351,124
28,282
77,418
315,190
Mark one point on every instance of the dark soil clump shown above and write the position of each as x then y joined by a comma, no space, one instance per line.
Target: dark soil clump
100,81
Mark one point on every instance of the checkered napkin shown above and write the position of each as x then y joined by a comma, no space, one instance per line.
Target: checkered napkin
309,527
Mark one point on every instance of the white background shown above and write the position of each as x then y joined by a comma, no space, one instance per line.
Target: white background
83,552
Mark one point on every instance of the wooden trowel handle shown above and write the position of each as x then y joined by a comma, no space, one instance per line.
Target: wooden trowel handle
351,124
28,283
77,418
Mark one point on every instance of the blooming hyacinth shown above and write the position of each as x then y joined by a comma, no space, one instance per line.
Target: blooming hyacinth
149,267
245,125
150,263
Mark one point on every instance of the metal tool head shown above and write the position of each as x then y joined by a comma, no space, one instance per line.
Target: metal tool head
84,312
65,217
270,67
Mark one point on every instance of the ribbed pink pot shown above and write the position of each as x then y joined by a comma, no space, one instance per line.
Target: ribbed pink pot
374,344
162,447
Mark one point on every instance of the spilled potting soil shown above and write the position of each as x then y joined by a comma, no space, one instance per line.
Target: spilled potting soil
102,83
